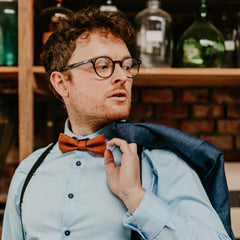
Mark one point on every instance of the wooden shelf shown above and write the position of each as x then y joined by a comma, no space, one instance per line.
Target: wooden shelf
169,77
188,77
172,77
8,73
8,80
180,77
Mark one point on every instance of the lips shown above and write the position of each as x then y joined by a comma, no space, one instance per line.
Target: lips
118,96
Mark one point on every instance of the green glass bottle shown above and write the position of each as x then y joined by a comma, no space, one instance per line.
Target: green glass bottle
202,44
8,33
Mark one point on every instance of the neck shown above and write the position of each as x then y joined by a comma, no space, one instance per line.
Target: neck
82,128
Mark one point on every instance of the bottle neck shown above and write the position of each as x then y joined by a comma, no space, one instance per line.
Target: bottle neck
59,3
153,4
108,6
202,9
109,2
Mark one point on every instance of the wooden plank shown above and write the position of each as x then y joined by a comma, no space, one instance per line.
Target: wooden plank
235,217
188,77
25,78
233,179
180,77
233,176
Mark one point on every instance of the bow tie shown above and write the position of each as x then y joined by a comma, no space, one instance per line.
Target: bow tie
96,145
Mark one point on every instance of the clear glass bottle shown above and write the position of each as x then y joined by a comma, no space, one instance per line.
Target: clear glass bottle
202,44
108,6
8,33
154,36
229,33
49,18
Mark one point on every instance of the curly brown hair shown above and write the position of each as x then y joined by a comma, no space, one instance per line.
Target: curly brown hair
61,44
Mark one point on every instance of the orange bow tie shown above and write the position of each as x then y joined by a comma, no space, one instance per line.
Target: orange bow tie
96,145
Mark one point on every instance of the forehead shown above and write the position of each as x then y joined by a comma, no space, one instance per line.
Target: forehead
98,43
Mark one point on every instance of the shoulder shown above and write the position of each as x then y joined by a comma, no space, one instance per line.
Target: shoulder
25,166
165,160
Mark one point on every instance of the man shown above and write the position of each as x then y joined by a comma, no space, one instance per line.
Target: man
79,194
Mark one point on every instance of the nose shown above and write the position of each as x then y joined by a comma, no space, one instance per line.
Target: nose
119,75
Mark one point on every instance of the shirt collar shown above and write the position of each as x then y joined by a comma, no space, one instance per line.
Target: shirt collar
107,130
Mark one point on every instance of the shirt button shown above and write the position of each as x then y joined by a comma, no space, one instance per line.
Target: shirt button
67,233
78,163
70,195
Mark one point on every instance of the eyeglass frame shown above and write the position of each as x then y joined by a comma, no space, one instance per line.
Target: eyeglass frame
93,60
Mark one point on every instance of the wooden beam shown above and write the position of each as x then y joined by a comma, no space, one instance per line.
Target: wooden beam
25,77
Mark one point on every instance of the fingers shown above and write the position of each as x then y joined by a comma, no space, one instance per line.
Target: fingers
108,159
124,146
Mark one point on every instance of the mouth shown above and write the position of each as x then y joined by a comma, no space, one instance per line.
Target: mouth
120,96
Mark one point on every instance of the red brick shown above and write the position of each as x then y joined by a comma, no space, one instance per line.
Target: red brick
197,126
208,111
222,142
194,95
233,110
135,95
157,95
238,143
139,110
167,122
231,95
231,156
172,111
229,126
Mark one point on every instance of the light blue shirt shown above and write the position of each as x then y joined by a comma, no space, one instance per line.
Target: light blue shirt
68,198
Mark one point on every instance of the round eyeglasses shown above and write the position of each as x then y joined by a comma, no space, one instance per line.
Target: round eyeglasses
104,66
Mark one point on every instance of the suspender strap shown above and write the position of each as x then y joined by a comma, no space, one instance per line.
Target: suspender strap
134,234
28,178
32,171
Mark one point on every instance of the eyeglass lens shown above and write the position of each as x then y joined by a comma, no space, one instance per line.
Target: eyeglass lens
104,66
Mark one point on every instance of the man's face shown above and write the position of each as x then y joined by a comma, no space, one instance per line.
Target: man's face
90,97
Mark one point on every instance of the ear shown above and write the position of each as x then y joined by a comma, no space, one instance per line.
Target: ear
59,83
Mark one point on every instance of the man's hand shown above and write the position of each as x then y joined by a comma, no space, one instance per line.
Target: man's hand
124,180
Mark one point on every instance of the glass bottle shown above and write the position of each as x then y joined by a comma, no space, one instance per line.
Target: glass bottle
8,33
2,58
202,44
50,17
154,36
238,40
108,6
229,33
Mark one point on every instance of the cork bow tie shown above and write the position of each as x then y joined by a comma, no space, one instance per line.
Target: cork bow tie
96,145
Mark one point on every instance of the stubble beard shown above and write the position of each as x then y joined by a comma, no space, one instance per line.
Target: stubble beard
99,116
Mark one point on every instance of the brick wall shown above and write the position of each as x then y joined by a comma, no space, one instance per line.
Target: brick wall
212,114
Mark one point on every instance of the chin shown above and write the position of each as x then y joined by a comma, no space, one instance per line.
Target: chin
118,115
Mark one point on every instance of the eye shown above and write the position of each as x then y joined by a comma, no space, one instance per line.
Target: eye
103,64
127,64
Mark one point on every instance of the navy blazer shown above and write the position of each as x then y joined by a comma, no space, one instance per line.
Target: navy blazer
202,156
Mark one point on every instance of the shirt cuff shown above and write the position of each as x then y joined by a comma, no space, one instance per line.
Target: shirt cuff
150,217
